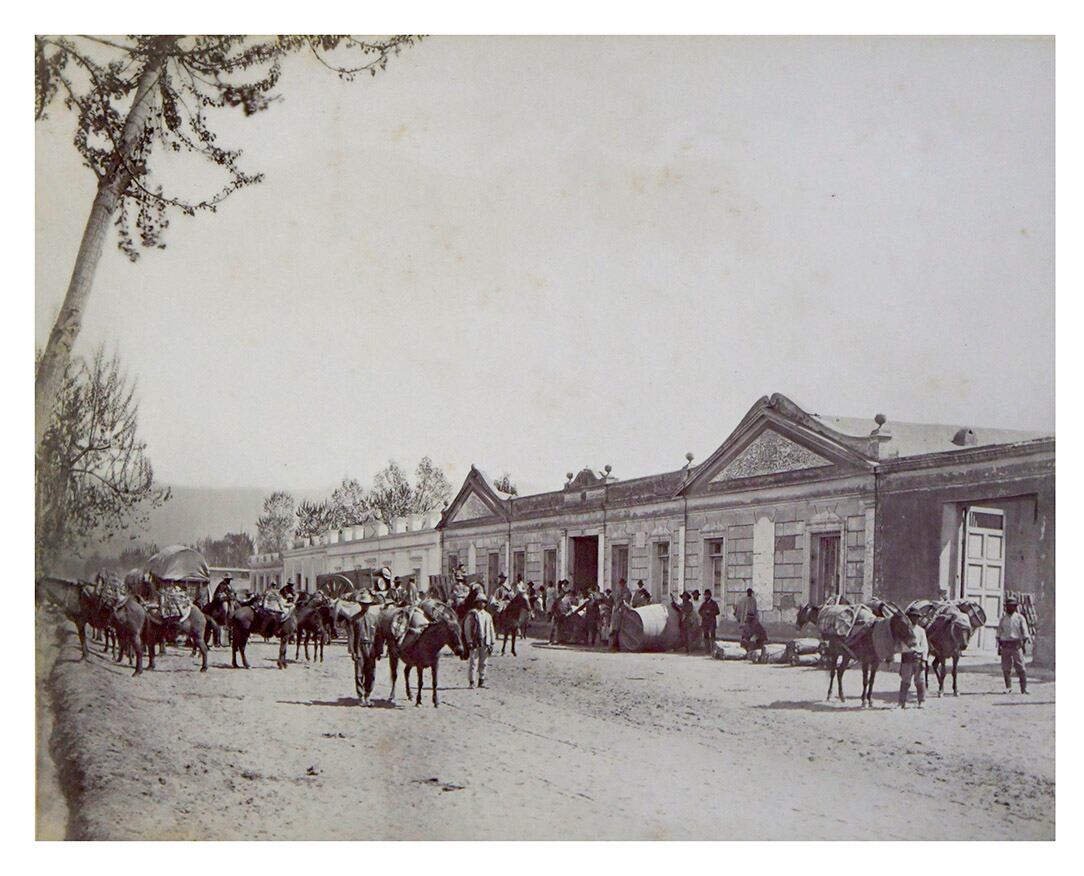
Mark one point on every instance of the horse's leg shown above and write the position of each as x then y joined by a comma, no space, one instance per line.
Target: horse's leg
504,643
844,663
81,629
420,685
433,672
406,679
514,631
831,676
283,640
297,650
136,644
865,683
203,650
872,679
393,668
955,666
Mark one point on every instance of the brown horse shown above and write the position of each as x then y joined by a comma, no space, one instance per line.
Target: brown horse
158,630
218,611
129,619
423,653
948,635
75,601
251,619
512,619
316,626
860,645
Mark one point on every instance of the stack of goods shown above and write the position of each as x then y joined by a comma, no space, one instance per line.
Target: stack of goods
803,647
174,603
112,591
275,604
774,652
729,651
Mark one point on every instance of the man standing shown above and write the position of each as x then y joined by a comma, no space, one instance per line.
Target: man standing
745,612
620,602
592,616
709,615
913,662
641,597
480,637
1012,640
685,618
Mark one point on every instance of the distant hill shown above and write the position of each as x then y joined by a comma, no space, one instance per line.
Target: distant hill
194,512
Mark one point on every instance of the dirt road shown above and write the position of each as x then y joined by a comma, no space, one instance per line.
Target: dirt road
564,744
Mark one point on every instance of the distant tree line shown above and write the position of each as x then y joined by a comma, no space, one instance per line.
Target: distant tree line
392,495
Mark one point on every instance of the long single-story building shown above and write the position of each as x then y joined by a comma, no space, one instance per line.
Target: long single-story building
797,506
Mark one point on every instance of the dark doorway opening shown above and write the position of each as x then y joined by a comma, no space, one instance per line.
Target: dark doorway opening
823,568
584,561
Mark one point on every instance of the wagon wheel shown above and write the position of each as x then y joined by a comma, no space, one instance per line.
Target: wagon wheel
339,587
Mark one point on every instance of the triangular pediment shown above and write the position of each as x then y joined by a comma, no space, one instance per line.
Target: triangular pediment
775,442
767,454
476,500
471,508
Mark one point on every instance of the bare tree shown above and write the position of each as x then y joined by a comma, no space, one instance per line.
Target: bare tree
274,526
93,475
505,485
141,96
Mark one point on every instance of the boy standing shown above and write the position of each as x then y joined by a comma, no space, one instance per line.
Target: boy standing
913,663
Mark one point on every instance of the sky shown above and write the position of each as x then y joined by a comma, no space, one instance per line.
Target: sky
539,254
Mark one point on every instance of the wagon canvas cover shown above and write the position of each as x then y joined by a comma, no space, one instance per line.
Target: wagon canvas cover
179,563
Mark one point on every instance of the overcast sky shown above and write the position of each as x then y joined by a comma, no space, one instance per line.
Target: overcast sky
538,254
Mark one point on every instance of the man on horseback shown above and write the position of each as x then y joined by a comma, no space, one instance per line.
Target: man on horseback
480,636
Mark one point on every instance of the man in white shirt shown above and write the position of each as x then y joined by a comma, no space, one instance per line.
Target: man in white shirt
913,663
480,636
1013,636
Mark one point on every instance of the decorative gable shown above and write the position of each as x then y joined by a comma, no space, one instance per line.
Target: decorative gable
770,453
471,509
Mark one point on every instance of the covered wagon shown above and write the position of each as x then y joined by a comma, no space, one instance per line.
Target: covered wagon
181,565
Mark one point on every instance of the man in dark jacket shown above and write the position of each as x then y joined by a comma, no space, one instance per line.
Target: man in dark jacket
709,613
685,619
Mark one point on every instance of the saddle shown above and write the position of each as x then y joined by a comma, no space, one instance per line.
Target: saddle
840,620
408,620
276,605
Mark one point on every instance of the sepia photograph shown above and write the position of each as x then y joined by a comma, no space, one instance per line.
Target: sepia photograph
544,437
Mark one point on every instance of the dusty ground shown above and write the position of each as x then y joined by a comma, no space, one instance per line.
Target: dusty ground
565,744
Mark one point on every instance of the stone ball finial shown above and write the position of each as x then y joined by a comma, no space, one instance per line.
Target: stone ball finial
880,419
689,456
607,468
568,475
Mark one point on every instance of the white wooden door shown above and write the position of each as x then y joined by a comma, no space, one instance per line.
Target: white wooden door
984,568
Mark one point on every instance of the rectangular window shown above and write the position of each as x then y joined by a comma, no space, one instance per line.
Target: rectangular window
662,568
549,567
519,565
715,569
619,563
453,563
493,571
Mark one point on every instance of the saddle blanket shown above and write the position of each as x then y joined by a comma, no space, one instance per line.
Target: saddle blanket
112,592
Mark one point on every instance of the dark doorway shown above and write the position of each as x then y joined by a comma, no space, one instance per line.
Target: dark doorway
823,567
584,561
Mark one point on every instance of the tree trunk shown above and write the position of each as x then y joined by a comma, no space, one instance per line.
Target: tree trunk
54,360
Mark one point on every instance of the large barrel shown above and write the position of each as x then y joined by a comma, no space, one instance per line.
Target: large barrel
649,628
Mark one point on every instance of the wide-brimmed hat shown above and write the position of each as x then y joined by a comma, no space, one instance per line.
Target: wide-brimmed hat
385,573
481,599
1012,600
227,577
365,596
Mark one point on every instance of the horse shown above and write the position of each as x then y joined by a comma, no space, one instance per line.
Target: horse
75,601
158,631
315,627
512,618
218,611
860,644
423,653
129,619
948,634
251,619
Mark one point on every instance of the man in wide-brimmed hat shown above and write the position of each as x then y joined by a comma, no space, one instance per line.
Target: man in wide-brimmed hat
1013,636
480,636
364,627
